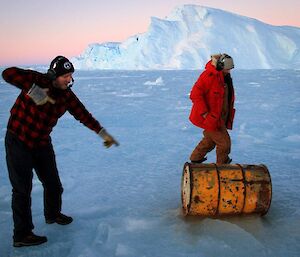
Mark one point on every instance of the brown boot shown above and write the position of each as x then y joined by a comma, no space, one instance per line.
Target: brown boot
29,240
60,219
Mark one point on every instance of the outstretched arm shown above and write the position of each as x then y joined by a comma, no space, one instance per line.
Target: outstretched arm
77,109
24,79
34,83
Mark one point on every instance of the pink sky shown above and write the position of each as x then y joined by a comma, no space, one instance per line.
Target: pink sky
35,31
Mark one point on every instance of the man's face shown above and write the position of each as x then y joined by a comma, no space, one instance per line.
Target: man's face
63,81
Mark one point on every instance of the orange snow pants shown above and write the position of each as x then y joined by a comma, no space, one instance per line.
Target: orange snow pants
219,139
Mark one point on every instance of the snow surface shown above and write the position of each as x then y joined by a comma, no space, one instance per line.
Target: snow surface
187,37
125,200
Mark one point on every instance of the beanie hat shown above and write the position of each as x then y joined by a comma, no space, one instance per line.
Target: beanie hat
60,65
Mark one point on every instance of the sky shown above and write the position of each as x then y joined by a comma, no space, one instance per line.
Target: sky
35,31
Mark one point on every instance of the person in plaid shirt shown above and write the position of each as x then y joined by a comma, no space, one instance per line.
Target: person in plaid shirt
43,99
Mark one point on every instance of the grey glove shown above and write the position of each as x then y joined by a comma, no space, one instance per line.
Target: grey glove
39,95
108,139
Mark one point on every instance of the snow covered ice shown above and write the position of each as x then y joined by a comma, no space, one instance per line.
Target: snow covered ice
125,200
186,37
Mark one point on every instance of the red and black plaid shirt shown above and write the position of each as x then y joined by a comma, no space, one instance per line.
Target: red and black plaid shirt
33,123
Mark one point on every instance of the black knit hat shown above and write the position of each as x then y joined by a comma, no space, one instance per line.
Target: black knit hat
60,65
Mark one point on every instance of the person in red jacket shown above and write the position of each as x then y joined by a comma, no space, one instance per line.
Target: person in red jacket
213,109
43,99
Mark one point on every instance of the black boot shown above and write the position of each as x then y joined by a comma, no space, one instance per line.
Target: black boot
228,161
199,161
29,240
60,219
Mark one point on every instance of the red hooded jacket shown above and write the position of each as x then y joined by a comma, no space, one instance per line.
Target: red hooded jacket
207,96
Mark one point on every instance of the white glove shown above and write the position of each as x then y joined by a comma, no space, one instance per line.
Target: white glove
39,95
108,139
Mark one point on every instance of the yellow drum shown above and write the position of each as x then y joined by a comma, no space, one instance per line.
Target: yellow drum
229,189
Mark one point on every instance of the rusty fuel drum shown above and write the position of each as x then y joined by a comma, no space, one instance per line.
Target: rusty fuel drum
229,189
